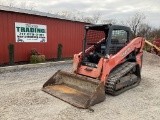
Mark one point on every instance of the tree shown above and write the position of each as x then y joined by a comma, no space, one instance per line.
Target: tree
144,30
79,16
66,14
109,21
27,5
96,17
155,33
134,23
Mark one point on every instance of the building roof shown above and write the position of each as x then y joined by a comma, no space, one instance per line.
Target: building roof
34,12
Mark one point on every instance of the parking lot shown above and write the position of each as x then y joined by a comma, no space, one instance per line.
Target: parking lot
21,97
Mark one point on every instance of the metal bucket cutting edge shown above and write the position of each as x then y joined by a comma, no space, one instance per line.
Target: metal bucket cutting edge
77,90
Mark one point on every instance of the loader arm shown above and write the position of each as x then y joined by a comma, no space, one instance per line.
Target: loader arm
105,65
136,45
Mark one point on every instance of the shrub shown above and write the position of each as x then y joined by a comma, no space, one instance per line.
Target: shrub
59,51
36,57
33,59
39,59
43,58
34,52
11,53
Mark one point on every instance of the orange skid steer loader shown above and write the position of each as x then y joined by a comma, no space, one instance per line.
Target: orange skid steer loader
109,63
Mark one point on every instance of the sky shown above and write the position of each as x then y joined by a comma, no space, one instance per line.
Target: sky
108,9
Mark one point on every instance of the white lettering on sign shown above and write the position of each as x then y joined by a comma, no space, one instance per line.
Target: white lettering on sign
26,32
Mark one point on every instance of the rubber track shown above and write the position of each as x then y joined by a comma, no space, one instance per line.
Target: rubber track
115,75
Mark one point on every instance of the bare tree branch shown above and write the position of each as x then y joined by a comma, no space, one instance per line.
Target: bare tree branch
79,16
96,17
155,33
135,22
144,30
109,21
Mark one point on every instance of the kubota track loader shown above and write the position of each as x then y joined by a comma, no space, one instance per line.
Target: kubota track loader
109,63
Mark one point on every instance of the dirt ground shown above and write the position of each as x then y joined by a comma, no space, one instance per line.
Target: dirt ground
21,97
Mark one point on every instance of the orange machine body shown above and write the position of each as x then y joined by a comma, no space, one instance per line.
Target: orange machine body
105,65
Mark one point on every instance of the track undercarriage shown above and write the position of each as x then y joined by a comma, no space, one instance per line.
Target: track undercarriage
122,78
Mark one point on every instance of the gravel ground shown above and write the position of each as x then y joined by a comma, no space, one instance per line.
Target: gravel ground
21,97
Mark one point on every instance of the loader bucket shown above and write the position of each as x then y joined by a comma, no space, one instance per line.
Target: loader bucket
77,90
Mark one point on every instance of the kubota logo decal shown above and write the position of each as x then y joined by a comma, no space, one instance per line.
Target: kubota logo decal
126,52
